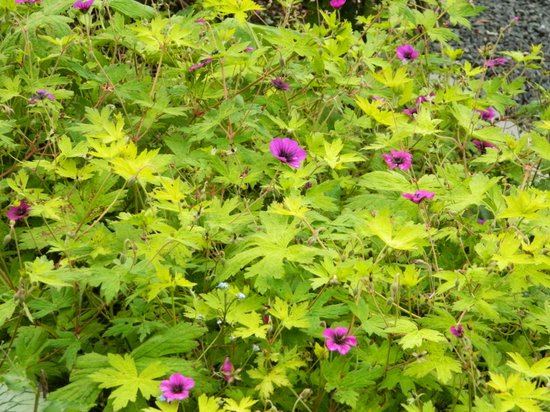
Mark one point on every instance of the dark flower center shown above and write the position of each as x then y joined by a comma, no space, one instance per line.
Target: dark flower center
21,211
398,160
287,156
177,388
407,55
339,339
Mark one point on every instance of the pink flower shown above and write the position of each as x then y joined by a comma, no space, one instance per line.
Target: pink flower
83,5
287,151
19,212
407,52
280,84
228,371
499,61
483,145
488,114
200,21
339,340
457,331
201,64
419,195
248,49
41,95
402,160
515,19
337,3
177,387
425,98
411,112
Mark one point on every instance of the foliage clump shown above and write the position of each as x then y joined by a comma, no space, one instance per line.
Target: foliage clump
207,214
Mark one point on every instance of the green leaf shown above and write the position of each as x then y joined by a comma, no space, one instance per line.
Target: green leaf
389,180
6,310
124,375
408,236
132,9
176,339
538,369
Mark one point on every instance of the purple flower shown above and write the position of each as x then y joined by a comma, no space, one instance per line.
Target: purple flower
488,114
177,387
379,99
457,331
228,371
407,52
499,61
419,195
201,64
425,98
483,145
83,5
411,112
403,160
41,95
19,212
248,49
287,151
337,3
515,19
481,221
200,21
339,340
280,84
27,1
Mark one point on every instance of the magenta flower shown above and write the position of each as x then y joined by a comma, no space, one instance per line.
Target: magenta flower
228,371
488,114
339,340
248,49
337,3
200,21
407,52
280,84
83,5
483,145
457,331
19,212
425,98
481,221
41,95
201,64
515,19
499,61
27,1
411,112
419,195
287,151
402,160
177,387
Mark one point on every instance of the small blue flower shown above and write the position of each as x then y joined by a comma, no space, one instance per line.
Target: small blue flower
223,285
240,296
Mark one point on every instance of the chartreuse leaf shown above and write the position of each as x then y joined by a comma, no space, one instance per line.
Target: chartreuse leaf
7,5
209,403
333,157
124,375
516,392
243,405
435,361
167,281
525,204
408,236
538,369
166,407
6,310
236,7
270,379
293,317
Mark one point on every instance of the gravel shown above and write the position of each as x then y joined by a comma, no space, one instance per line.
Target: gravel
533,27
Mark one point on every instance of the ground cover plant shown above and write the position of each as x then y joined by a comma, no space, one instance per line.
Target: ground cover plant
202,212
